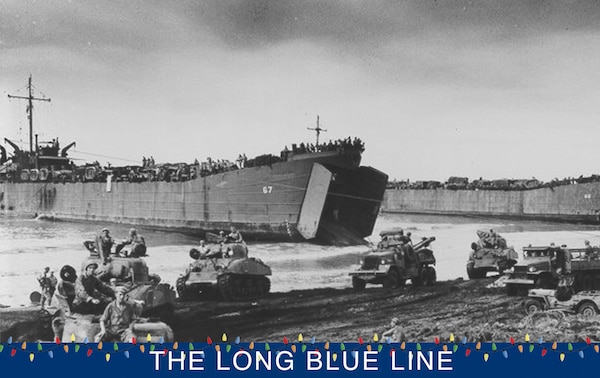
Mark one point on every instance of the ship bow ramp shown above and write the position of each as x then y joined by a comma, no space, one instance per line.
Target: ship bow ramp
340,206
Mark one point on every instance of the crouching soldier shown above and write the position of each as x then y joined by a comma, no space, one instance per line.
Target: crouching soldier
116,323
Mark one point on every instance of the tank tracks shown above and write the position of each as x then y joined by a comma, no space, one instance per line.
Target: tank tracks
237,287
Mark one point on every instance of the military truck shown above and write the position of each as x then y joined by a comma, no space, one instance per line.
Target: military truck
543,266
396,260
490,254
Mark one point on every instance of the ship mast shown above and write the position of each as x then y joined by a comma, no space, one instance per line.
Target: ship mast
317,129
30,98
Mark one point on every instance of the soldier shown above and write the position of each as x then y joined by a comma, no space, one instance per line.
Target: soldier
118,318
91,294
137,242
104,243
44,281
234,236
396,332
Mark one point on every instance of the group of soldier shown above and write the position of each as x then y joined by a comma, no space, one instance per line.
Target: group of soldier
87,294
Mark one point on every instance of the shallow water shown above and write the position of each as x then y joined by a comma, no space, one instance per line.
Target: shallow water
27,246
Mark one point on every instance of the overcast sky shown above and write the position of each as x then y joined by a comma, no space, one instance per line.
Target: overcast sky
499,89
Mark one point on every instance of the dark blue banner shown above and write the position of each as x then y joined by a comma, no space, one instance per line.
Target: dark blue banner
300,359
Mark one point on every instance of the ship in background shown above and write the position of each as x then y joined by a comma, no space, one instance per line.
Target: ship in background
316,193
572,200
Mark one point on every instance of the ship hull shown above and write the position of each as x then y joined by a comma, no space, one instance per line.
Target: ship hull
264,203
578,203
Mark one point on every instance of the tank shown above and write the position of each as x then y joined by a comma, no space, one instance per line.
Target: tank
133,274
396,260
226,273
490,254
156,299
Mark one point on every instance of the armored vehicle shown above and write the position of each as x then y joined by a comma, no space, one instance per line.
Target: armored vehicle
542,267
396,260
227,272
132,272
156,299
490,254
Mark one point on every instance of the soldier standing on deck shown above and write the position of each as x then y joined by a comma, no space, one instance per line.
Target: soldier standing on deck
104,244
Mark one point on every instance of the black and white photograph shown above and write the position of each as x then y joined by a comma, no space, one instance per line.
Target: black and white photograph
329,169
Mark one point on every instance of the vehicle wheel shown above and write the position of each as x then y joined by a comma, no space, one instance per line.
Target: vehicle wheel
417,281
532,306
470,271
358,284
587,309
391,281
431,276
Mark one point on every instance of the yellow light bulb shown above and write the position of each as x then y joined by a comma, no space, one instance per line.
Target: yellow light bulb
300,338
224,337
527,337
375,338
486,357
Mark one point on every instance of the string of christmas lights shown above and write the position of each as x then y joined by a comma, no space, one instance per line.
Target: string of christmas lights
485,349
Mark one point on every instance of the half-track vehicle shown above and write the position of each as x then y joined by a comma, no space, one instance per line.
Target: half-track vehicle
226,272
543,266
490,254
396,260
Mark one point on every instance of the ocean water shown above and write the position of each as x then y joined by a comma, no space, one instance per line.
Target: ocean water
28,245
